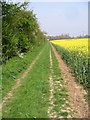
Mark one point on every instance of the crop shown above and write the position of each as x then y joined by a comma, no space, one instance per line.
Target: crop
75,53
80,45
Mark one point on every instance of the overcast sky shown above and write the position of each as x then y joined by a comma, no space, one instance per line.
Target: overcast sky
61,17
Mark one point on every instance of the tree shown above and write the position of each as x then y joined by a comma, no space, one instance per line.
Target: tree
20,30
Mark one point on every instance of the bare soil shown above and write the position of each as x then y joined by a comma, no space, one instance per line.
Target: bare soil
51,98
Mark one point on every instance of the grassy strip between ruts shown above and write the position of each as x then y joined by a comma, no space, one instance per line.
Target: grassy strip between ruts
15,67
30,100
61,105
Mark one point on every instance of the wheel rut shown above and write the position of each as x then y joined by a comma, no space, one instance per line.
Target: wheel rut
18,82
51,98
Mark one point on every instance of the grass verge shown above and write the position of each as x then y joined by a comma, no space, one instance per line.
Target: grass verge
15,67
30,100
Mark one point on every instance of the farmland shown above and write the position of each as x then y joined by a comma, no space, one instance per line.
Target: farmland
41,77
47,88
75,53
80,45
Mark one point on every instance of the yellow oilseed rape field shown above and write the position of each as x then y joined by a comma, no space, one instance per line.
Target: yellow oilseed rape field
80,45
75,53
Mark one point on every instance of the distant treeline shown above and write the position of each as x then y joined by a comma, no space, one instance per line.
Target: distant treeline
20,30
65,36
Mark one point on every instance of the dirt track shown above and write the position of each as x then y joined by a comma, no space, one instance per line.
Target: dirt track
76,92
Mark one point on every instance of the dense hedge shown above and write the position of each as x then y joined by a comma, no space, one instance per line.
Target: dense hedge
20,30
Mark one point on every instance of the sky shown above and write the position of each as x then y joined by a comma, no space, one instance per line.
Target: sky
57,18
62,18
